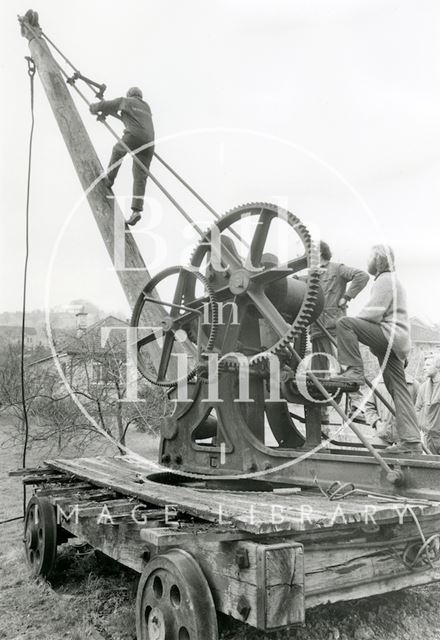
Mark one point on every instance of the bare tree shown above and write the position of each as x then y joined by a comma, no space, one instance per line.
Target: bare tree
91,374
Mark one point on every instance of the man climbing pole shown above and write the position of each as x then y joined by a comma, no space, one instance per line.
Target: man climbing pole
138,137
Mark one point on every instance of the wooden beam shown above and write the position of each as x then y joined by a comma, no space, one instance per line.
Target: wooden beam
346,575
32,471
165,537
44,479
88,167
108,216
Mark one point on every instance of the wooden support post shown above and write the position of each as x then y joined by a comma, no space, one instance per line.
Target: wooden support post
121,247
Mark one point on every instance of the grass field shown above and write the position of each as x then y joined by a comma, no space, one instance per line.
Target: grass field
92,597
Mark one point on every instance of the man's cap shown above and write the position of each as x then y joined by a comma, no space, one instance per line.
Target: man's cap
134,92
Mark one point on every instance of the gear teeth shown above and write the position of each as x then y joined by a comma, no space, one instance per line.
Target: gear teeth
302,320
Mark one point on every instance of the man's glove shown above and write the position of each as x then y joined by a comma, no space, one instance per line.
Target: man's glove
94,108
378,425
342,304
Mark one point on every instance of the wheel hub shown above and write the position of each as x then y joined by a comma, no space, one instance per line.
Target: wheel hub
156,624
239,281
167,323
32,538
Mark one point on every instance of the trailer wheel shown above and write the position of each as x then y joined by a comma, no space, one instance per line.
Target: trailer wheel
40,536
174,601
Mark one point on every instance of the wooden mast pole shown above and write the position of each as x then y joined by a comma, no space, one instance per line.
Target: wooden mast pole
105,209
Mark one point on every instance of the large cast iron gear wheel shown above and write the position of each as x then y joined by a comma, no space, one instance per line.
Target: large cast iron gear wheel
174,600
40,536
174,321
287,332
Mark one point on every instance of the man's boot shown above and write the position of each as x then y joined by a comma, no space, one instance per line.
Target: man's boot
404,449
135,217
352,375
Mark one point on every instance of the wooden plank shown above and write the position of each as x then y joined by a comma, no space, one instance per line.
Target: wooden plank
393,579
97,494
340,570
166,537
120,542
149,491
31,471
92,509
255,512
45,478
79,488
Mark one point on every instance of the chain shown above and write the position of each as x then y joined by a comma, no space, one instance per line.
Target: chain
31,73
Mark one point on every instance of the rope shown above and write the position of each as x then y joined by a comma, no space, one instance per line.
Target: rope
156,155
426,553
11,520
31,73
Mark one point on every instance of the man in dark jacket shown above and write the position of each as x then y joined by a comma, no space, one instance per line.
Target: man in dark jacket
334,278
340,284
138,133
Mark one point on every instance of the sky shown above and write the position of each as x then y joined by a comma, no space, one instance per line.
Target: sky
328,108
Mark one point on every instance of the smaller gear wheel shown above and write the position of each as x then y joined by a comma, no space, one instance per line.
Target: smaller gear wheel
176,325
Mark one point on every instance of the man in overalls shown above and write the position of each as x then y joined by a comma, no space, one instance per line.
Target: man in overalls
340,284
138,134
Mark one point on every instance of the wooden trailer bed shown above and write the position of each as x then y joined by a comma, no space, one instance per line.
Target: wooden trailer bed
267,556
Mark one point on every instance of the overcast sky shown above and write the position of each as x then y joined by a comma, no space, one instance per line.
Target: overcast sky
329,106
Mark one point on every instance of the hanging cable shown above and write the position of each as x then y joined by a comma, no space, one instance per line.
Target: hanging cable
31,73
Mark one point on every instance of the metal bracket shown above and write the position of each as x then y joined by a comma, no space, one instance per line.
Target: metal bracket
31,66
79,76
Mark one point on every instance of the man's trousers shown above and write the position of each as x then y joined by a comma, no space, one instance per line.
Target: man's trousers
139,173
351,331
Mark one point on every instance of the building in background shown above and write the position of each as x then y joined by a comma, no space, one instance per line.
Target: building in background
11,335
